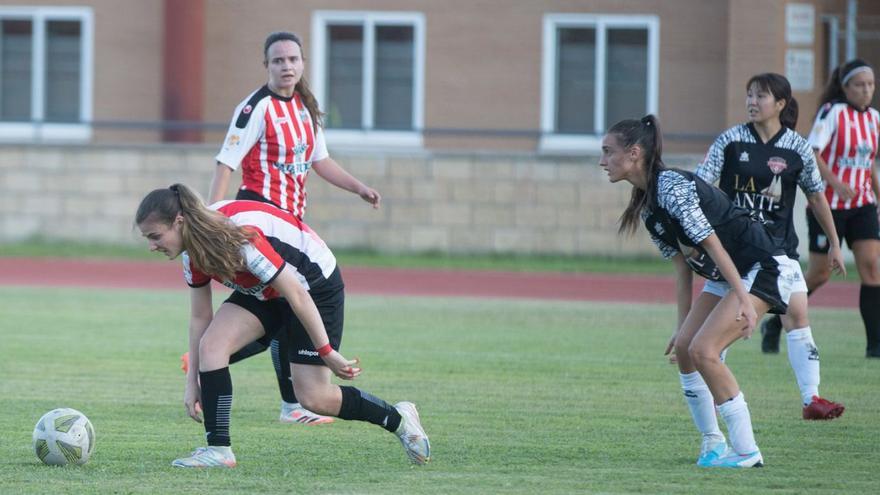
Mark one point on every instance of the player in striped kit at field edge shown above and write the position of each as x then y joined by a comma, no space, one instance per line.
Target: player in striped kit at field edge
845,135
276,137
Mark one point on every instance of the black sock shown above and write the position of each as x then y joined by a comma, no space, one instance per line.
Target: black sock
282,369
869,306
247,351
361,406
217,405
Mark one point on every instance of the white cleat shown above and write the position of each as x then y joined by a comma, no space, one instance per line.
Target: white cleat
734,460
711,451
206,457
301,415
412,436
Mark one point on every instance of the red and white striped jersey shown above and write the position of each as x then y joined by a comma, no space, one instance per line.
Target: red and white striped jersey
281,239
271,137
847,141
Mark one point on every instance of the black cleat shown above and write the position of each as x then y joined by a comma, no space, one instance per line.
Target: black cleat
771,329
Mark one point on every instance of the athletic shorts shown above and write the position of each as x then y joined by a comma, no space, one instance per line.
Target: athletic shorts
277,316
772,281
853,225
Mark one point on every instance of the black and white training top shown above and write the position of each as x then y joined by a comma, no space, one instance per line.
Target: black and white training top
764,177
686,210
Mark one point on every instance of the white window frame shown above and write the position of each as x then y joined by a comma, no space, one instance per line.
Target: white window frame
550,140
368,137
37,130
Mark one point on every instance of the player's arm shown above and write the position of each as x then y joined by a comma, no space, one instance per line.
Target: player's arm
305,310
330,171
822,212
842,189
728,270
201,314
875,183
219,183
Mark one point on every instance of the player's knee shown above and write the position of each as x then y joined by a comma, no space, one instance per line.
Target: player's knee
313,399
702,355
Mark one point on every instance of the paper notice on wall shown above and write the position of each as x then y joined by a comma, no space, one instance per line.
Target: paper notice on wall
799,68
800,21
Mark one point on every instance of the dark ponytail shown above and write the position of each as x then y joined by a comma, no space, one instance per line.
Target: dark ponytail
833,91
778,86
302,87
645,133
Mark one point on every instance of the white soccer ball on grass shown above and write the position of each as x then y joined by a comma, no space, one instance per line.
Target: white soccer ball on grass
64,436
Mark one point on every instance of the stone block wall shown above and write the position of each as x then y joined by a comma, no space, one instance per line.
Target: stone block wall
432,201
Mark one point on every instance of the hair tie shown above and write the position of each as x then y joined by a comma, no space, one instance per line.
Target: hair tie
852,73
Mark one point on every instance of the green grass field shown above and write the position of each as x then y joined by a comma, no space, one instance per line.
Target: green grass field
517,397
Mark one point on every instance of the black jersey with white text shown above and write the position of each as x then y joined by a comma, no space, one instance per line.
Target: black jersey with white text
764,177
686,210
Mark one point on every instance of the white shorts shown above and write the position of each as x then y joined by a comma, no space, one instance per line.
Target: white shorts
772,281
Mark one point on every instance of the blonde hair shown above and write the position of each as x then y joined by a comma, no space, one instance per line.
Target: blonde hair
212,242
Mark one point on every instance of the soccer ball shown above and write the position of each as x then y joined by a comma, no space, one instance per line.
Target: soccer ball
64,436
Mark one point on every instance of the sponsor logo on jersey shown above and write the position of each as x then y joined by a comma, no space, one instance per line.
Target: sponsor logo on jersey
295,168
821,241
658,227
281,120
744,156
233,140
248,291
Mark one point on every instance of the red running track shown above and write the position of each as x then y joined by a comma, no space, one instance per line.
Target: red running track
43,272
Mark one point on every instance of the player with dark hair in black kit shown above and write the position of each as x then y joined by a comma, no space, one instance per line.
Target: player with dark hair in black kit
760,165
688,219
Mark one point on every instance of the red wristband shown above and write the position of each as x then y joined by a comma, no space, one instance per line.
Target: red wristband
323,351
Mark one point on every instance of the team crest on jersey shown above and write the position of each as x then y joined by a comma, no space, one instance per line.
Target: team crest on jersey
247,109
303,115
300,148
744,156
658,227
776,165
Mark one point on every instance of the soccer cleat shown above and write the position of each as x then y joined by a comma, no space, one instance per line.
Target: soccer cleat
711,452
184,362
206,457
412,436
734,460
820,408
771,329
301,415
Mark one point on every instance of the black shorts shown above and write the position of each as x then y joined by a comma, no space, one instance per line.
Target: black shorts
253,196
853,225
278,319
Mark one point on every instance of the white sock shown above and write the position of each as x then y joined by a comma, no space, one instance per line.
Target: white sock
289,406
804,358
701,404
735,413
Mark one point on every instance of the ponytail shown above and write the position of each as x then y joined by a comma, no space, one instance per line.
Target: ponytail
644,132
212,242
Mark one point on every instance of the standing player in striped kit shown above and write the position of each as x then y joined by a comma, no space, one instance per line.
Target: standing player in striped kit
276,137
760,165
284,279
845,135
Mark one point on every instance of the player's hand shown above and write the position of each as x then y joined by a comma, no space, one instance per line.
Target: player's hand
341,367
371,196
191,397
669,347
747,317
835,260
843,190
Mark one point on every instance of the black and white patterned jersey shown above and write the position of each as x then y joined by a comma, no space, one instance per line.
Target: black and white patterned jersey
764,177
686,210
